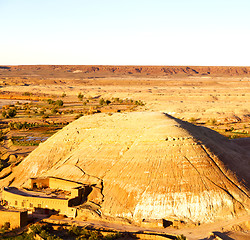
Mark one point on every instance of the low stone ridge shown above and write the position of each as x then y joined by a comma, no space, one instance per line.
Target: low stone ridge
146,165
56,70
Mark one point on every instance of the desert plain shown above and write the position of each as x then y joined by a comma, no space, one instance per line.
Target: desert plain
216,98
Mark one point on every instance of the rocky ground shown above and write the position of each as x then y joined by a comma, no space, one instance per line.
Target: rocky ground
215,97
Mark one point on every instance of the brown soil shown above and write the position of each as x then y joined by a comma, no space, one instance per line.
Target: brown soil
215,97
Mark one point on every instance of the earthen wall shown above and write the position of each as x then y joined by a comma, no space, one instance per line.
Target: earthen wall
39,182
29,202
57,183
15,218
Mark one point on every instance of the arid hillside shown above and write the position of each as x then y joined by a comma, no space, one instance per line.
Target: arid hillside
146,166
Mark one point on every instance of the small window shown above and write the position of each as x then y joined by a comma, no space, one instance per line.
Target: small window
39,205
22,204
31,204
15,202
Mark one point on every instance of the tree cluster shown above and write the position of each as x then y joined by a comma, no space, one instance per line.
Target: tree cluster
10,113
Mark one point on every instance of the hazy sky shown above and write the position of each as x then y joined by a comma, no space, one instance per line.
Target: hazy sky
125,32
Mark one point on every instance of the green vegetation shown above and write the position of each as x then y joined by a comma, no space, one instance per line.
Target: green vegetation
50,101
92,234
104,102
139,103
236,134
181,237
2,135
20,125
3,164
4,228
10,113
54,110
57,102
26,125
118,101
212,121
21,141
42,230
233,133
78,116
44,117
192,120
46,231
27,94
108,102
80,96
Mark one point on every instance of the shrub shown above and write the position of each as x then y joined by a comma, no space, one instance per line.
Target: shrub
74,230
45,116
139,103
1,165
36,228
234,136
59,103
213,121
113,236
47,227
10,113
181,237
2,136
95,235
43,231
27,94
192,120
50,101
19,125
78,116
4,114
42,111
108,102
101,101
80,96
54,110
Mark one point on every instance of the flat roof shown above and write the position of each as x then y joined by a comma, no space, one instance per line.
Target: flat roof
12,210
27,193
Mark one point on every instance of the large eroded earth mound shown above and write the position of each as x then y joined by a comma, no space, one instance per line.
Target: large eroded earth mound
146,166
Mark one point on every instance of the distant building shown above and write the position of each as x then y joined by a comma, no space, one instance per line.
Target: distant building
16,218
38,201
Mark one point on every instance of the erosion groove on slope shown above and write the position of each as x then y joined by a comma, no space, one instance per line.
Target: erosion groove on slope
224,189
221,170
101,181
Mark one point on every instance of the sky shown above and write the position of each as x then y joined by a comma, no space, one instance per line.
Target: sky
125,32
